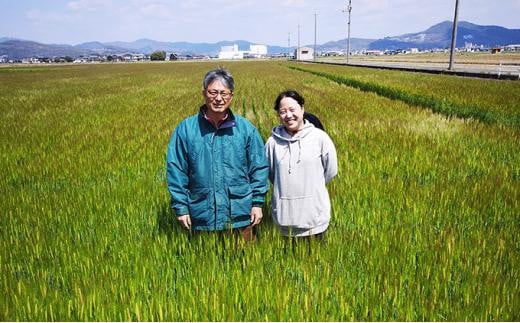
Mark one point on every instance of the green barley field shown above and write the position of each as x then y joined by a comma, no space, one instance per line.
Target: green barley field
426,206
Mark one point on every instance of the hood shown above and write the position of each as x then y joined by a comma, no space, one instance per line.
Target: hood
279,132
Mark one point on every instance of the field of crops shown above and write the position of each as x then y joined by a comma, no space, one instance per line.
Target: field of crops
426,206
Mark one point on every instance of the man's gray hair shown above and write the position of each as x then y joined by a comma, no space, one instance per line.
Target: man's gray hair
221,75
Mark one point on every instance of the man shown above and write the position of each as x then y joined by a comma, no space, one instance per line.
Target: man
216,168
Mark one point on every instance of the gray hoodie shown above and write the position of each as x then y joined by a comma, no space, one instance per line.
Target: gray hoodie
300,166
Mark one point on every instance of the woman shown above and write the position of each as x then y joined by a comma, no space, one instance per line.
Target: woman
302,159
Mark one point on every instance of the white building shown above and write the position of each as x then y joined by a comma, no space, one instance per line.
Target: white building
232,48
258,51
304,54
232,52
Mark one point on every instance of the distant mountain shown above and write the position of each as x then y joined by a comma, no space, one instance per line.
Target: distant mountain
439,36
341,45
17,49
143,45
100,48
3,39
212,49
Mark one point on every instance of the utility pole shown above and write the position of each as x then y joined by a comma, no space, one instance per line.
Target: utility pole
315,18
289,44
298,49
454,35
349,10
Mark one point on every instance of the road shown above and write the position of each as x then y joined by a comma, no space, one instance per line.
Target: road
507,70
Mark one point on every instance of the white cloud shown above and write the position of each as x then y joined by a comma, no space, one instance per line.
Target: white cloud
88,5
192,4
156,10
39,16
369,7
267,21
293,3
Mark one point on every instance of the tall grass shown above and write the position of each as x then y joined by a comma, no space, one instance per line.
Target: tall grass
425,208
439,105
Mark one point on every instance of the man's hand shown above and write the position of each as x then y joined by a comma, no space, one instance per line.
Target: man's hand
185,221
256,215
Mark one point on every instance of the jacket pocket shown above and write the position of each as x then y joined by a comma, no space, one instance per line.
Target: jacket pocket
240,200
235,152
199,203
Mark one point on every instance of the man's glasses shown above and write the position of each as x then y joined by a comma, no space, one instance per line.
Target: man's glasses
223,94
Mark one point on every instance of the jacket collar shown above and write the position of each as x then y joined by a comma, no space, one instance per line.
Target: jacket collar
228,123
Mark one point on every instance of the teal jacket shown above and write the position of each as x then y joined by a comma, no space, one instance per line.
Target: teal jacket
216,175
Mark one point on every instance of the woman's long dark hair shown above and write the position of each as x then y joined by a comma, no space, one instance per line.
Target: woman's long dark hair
289,94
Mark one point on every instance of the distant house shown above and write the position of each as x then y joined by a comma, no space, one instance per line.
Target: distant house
512,48
374,52
304,53
333,53
138,57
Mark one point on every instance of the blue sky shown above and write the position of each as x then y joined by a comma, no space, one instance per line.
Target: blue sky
267,22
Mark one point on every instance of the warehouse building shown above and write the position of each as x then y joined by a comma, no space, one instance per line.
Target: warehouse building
304,54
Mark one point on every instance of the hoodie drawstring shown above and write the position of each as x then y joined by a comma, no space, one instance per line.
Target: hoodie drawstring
299,154
290,155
